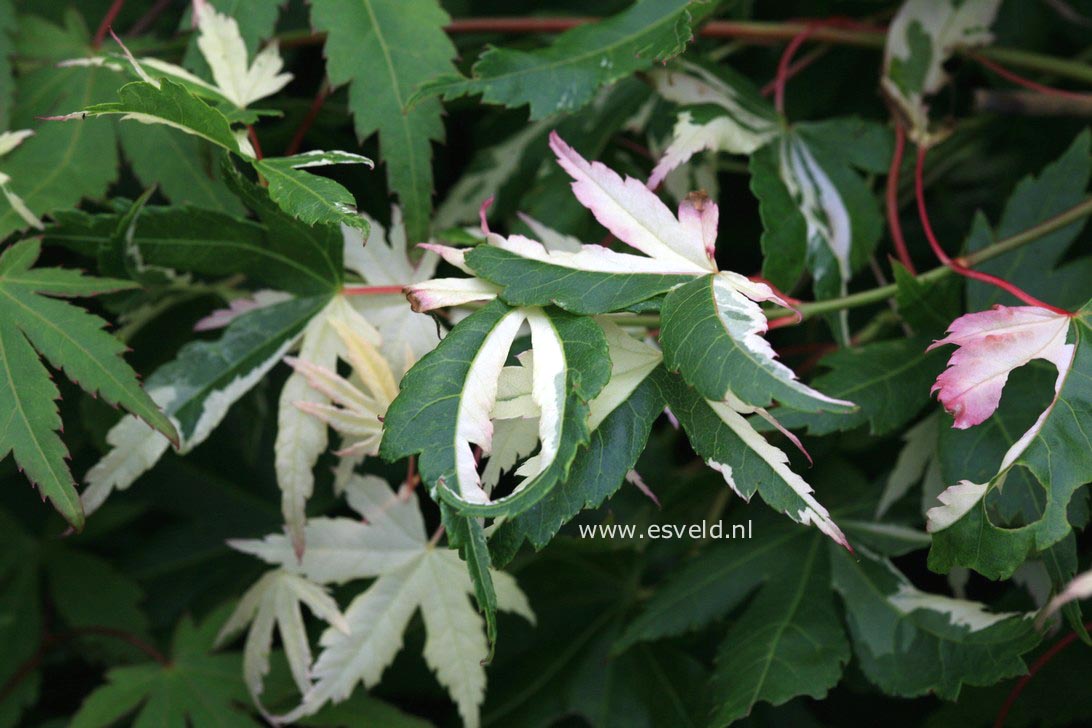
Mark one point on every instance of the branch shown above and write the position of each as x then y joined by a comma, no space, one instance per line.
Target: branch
50,641
755,32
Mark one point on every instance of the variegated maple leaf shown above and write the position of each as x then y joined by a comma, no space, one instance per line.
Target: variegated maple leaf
817,212
991,345
411,572
712,328
382,261
301,437
1079,588
1055,449
237,82
222,45
920,39
274,602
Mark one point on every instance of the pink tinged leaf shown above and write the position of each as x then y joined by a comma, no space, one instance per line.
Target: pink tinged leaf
199,8
699,215
1079,588
445,292
344,421
634,478
764,414
454,256
221,317
992,344
631,212
483,213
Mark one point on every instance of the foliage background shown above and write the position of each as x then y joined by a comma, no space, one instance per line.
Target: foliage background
156,554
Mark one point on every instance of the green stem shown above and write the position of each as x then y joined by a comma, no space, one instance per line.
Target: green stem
1067,68
864,298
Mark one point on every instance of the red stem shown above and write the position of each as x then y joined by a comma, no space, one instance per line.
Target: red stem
797,67
370,290
1027,82
784,63
107,21
309,120
757,278
1039,664
148,19
50,641
253,136
810,28
919,192
782,322
892,199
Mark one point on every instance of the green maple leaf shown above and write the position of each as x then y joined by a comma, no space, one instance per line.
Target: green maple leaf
192,688
32,324
384,49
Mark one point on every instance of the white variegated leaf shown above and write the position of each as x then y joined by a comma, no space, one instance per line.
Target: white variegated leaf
413,573
744,127
134,448
223,47
808,511
383,261
301,438
274,602
920,39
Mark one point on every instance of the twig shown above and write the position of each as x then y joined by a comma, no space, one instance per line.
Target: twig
253,137
809,58
1030,103
1026,82
1039,664
309,120
50,641
750,31
107,21
148,19
370,290
956,266
892,199
811,309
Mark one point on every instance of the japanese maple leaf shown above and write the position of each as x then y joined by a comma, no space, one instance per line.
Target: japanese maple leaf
237,81
222,45
33,323
274,602
192,687
991,345
729,362
411,573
